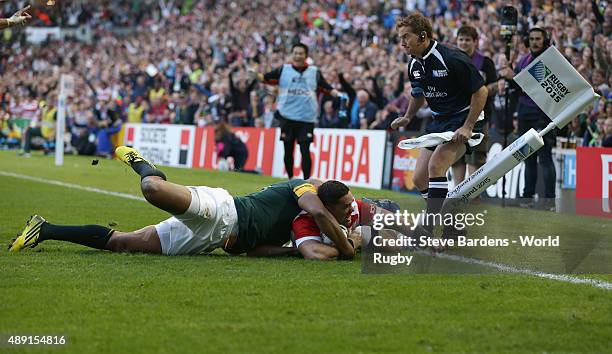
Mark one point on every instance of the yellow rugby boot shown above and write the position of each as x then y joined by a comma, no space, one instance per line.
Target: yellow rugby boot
29,236
130,156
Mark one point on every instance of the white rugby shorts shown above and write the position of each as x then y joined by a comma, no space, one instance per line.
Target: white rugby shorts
210,219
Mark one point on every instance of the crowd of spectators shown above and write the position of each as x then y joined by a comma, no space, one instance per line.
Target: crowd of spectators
186,61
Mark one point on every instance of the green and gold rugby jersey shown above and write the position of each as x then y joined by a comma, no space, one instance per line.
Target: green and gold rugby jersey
265,217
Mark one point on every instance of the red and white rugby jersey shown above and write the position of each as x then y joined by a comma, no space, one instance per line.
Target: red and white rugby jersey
28,109
305,228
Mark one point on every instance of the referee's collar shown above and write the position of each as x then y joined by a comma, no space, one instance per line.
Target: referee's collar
430,49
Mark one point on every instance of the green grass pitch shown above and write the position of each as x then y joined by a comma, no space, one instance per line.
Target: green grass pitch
134,303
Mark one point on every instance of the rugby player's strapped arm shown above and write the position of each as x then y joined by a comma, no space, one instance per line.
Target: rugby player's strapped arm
355,239
316,250
272,251
310,203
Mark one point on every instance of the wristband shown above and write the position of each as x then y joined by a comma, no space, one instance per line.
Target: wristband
351,242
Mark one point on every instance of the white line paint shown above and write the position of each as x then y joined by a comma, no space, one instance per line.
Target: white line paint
501,267
510,269
71,185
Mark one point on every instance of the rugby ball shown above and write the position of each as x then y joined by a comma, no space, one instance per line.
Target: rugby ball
328,241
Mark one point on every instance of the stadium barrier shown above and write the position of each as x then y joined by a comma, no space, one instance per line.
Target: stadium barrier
403,165
163,144
593,181
260,143
356,157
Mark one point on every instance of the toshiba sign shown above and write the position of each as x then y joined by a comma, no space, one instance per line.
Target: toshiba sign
355,157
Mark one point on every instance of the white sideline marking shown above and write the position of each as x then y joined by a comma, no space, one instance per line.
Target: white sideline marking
506,268
502,267
71,185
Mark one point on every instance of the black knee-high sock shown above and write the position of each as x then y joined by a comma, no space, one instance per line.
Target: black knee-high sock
145,170
425,193
94,236
438,188
306,160
289,157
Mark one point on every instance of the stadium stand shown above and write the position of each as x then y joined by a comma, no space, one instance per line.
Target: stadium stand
186,61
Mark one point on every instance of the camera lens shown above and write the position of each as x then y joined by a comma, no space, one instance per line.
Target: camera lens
509,21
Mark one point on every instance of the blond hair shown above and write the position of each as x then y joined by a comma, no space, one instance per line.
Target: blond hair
417,23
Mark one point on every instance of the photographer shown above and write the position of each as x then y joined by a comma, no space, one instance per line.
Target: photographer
230,147
531,116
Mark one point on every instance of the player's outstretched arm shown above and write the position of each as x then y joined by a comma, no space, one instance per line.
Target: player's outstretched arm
272,251
316,250
311,203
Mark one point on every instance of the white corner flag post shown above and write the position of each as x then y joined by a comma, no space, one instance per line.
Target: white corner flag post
560,91
66,88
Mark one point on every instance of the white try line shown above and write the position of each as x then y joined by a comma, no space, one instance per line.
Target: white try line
502,267
72,186
510,269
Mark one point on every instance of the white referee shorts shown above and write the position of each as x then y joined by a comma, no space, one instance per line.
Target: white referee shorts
210,219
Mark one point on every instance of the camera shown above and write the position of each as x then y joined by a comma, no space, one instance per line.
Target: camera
509,21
